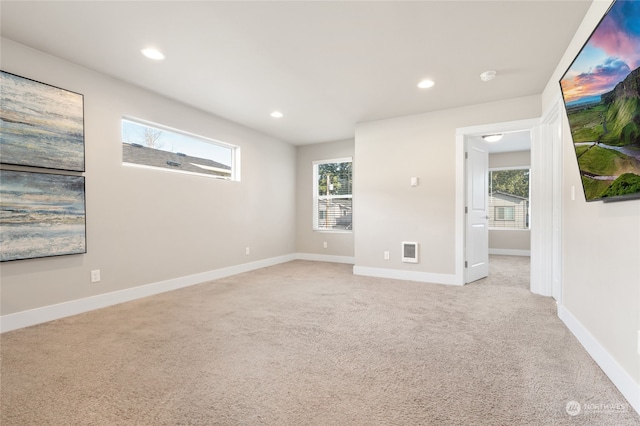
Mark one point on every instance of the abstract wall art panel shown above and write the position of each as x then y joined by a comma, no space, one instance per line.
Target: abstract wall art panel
41,215
40,125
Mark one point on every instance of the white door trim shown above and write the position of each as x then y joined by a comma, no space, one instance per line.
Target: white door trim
551,138
546,204
461,133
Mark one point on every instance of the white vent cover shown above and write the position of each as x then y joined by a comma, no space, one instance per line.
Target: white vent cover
409,252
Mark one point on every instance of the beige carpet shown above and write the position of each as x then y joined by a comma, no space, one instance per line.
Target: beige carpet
308,343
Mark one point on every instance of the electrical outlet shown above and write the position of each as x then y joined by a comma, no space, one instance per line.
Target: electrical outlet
324,244
95,275
386,255
247,251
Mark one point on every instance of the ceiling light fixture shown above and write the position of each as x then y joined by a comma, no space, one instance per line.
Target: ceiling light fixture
277,114
425,84
488,75
493,138
152,53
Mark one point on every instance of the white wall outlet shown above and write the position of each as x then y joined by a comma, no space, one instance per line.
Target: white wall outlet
324,244
386,255
247,251
95,276
414,181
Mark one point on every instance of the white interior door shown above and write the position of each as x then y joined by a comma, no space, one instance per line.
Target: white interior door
477,217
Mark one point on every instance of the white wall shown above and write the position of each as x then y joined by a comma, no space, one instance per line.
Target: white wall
509,241
510,159
147,226
389,211
309,241
601,255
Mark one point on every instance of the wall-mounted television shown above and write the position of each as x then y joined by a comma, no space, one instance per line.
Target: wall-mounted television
601,92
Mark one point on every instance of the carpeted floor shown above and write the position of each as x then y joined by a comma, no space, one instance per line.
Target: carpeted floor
308,343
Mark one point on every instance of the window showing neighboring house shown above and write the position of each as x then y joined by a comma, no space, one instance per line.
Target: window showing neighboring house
505,212
332,195
509,205
154,146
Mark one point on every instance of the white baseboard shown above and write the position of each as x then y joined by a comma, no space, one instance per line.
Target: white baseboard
397,274
510,252
326,258
620,378
52,312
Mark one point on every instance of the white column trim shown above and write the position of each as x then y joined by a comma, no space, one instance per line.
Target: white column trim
546,204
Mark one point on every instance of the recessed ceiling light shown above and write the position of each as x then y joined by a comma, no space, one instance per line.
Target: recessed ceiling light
425,84
277,114
493,138
488,75
152,53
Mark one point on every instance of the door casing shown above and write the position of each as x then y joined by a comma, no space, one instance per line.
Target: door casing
540,247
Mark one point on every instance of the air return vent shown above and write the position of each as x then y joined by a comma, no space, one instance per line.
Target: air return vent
409,252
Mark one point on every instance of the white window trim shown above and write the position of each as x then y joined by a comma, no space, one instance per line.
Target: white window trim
235,150
316,197
497,169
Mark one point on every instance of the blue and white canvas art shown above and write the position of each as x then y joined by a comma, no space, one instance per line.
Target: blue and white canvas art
40,125
41,215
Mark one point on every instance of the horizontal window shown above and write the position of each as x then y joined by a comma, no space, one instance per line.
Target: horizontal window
156,146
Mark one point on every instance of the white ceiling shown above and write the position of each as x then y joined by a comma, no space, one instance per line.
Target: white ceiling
326,65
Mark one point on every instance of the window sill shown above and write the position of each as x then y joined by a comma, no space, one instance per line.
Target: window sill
334,231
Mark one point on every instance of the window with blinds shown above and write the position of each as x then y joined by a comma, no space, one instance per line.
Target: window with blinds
509,205
332,195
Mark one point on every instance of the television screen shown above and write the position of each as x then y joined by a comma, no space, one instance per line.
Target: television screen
601,92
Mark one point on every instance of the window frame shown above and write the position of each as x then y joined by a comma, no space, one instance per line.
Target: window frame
235,150
316,197
528,211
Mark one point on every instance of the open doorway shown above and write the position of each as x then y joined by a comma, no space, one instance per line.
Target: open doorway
509,184
545,194
506,187
498,205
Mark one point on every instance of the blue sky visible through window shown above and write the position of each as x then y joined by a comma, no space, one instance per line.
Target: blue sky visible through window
177,142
